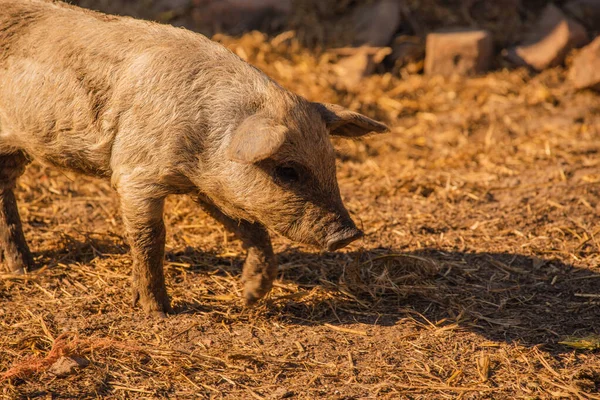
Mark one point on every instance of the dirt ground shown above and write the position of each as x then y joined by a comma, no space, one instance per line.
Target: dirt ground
478,276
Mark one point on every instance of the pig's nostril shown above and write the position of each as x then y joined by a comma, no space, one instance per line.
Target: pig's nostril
342,239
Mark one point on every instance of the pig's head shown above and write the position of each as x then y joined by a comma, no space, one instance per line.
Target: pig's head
280,171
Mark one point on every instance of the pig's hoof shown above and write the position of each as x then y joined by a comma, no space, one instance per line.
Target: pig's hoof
154,306
15,266
158,315
255,290
250,299
157,310
18,271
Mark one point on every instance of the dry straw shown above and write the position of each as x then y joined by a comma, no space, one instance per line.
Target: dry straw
481,256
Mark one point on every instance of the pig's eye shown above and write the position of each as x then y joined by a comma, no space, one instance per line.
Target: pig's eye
287,174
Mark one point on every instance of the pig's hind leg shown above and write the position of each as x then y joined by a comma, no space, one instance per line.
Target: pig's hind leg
14,252
260,267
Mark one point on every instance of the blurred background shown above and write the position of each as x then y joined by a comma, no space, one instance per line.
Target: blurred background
394,30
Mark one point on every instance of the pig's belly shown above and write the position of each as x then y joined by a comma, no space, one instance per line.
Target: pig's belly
54,117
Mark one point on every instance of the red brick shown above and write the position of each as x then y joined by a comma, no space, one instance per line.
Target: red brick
548,44
458,51
585,71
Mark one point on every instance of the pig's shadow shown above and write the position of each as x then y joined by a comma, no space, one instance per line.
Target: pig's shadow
505,297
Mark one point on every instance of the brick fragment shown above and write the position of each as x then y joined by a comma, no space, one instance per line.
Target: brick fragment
548,43
458,51
585,70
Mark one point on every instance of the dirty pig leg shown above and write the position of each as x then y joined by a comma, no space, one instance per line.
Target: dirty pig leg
14,252
143,219
260,267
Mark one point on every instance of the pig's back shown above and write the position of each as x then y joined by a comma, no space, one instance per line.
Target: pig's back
72,80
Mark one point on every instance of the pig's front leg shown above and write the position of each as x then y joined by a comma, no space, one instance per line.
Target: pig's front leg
260,267
143,219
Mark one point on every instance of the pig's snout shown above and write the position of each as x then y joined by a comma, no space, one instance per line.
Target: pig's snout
343,237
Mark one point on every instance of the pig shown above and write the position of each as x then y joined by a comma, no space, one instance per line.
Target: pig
159,110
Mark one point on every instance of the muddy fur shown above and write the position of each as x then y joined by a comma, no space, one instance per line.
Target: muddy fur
160,110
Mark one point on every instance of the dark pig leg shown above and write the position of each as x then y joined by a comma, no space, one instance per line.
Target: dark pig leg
260,267
14,252
143,219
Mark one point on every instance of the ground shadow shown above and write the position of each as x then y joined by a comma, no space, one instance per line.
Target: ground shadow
502,296
72,249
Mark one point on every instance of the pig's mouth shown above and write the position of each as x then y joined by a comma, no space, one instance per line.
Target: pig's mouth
330,232
342,238
338,239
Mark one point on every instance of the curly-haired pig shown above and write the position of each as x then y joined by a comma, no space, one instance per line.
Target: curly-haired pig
160,110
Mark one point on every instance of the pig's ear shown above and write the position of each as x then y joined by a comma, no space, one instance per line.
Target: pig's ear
343,122
255,139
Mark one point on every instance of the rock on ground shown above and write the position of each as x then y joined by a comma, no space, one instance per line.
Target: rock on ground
548,43
461,51
585,71
67,365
